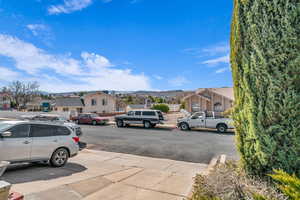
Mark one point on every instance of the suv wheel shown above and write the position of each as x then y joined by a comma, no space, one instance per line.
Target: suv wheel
120,123
147,124
222,128
94,123
184,126
59,157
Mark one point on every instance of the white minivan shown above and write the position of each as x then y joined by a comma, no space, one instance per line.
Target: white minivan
23,141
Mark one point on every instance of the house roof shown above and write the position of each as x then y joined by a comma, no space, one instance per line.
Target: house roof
68,101
199,95
226,91
98,93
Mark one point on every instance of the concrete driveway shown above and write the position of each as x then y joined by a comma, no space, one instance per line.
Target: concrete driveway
105,175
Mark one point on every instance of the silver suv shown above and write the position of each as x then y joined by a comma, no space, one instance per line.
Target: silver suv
23,141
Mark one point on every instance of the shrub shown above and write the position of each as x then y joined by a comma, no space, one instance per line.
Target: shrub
230,182
288,184
162,107
265,61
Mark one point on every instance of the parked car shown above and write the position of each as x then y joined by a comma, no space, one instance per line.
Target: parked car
90,118
205,120
54,118
149,118
28,141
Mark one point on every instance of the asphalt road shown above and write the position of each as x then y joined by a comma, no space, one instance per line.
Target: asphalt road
191,146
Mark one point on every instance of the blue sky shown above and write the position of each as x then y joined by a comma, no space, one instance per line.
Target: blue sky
71,45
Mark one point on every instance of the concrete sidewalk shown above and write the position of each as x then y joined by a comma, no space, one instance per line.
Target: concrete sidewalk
95,175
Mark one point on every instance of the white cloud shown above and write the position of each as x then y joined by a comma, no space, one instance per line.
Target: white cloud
222,70
178,81
36,28
7,74
217,49
216,61
91,72
158,77
69,6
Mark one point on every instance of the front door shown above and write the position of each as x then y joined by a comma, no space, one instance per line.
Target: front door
16,147
197,120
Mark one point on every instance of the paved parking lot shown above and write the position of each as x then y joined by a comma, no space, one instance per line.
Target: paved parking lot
191,146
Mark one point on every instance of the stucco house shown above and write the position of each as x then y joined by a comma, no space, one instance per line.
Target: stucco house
72,104
100,102
209,99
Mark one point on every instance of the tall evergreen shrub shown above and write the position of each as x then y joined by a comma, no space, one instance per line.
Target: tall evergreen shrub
265,60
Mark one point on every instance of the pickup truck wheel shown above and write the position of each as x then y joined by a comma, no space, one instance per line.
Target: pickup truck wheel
222,128
120,123
147,124
94,123
184,126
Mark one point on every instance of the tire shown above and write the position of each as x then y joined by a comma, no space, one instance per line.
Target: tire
94,123
147,124
184,126
222,128
120,123
59,157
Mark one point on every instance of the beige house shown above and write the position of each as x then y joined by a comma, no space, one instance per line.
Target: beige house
100,102
68,104
209,99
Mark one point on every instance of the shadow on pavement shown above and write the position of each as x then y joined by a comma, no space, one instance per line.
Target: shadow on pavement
24,173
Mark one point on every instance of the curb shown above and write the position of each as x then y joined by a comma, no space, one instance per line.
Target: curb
221,159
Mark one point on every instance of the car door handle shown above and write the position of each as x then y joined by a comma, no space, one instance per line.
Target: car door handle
26,142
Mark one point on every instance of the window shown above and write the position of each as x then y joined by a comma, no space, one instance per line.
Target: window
65,109
149,113
41,130
197,116
138,113
60,131
104,102
93,102
130,113
19,131
218,106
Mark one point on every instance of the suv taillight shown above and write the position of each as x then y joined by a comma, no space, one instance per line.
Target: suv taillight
76,139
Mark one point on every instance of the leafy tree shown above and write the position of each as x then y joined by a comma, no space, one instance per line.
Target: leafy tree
162,107
265,60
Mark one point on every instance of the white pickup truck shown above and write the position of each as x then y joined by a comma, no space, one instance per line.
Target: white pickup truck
205,120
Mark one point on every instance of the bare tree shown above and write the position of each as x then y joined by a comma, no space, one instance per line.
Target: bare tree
23,92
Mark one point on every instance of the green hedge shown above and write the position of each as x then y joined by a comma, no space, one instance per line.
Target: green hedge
265,60
162,107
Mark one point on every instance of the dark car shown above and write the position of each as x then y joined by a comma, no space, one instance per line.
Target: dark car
90,118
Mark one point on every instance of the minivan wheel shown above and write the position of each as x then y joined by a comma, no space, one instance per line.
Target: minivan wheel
147,124
120,123
59,157
94,123
184,126
222,128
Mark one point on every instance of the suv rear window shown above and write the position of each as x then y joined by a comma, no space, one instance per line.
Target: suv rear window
148,113
41,130
60,131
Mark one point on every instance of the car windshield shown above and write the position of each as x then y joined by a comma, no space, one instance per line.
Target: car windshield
94,115
4,126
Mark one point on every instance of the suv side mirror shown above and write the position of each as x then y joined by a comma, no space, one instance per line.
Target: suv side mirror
6,134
